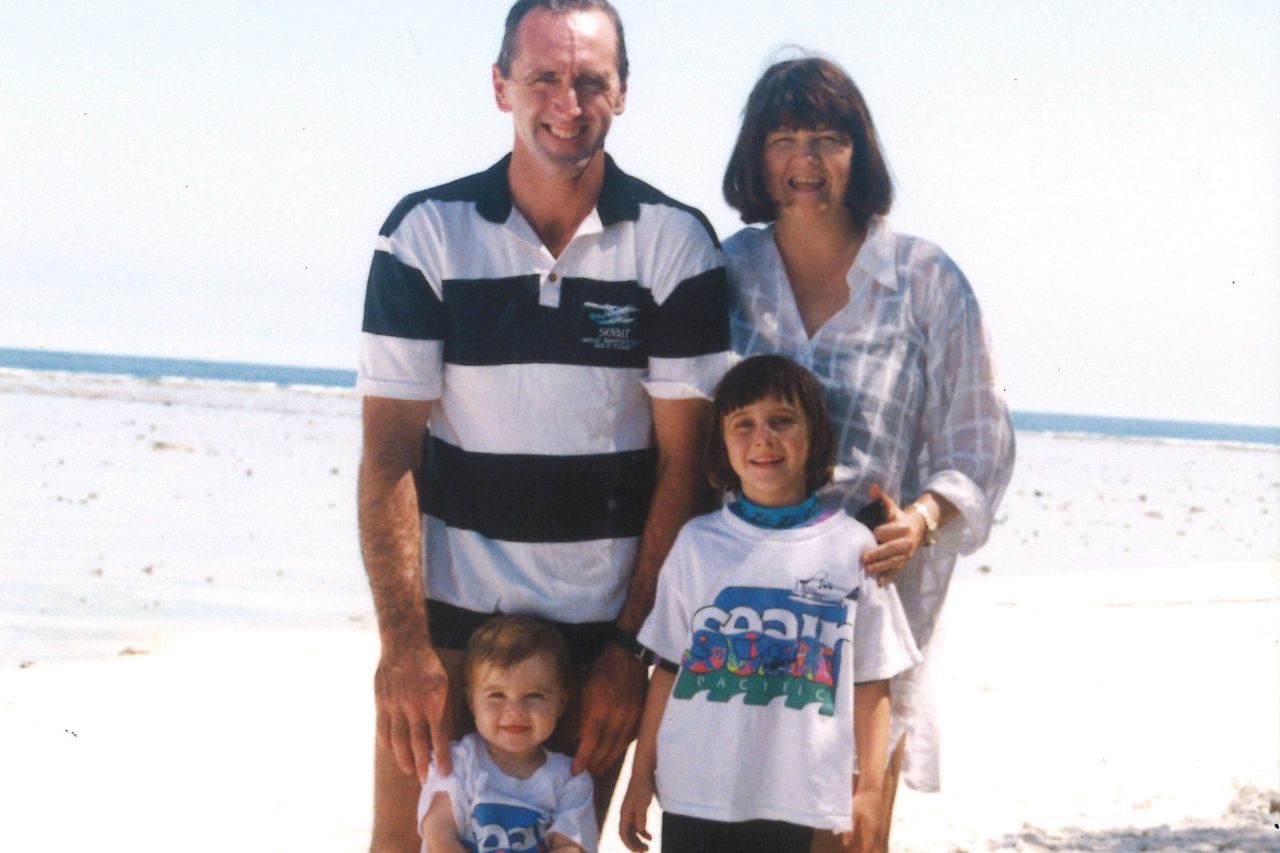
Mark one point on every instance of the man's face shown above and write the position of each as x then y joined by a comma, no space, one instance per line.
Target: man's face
564,90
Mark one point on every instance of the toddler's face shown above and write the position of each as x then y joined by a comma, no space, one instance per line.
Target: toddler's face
768,446
516,707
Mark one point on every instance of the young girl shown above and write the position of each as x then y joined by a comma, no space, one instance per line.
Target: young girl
506,791
750,739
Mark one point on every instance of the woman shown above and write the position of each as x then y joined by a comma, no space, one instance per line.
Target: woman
891,327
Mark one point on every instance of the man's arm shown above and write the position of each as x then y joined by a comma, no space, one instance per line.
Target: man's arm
613,694
410,686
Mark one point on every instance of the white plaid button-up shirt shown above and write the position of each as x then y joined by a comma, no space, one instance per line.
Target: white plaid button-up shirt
913,396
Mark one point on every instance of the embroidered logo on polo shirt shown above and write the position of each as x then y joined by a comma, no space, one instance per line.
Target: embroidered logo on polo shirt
611,326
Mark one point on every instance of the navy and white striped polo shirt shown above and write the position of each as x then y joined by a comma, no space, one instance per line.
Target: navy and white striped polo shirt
540,466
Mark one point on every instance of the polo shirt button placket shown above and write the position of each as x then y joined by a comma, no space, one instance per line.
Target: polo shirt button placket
549,292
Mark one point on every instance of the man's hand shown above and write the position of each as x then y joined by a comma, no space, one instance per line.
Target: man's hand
612,699
415,718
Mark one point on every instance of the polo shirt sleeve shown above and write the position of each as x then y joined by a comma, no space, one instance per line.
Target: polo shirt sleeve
402,340
679,259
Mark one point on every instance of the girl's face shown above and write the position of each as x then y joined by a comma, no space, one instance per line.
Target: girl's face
516,707
768,446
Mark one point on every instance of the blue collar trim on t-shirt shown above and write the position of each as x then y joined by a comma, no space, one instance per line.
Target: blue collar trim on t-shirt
778,517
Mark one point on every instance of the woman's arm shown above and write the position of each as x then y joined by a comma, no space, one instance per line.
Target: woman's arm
633,817
965,422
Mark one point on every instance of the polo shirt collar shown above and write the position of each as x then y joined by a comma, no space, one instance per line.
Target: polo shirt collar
493,202
615,204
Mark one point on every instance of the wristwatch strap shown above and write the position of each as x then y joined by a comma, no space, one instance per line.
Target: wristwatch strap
627,641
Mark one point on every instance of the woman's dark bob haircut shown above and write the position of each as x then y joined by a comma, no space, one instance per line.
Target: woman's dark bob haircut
750,381
807,94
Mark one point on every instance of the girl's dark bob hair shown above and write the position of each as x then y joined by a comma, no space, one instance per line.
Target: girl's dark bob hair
750,381
807,94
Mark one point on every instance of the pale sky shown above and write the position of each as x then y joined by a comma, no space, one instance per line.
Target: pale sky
206,180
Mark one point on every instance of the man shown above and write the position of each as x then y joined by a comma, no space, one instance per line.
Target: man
559,325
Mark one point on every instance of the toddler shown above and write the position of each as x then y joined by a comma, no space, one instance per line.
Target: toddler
506,791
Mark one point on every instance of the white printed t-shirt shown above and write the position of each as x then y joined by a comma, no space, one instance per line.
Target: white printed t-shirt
495,811
772,628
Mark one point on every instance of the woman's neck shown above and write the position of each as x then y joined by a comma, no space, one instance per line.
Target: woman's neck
817,253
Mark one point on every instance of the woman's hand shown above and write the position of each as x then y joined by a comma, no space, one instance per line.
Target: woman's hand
898,539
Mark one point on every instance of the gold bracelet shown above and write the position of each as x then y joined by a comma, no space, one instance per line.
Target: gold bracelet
930,526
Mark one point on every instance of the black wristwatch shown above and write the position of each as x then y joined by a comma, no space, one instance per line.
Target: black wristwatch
627,641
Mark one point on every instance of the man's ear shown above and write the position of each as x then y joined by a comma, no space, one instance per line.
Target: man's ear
500,84
621,103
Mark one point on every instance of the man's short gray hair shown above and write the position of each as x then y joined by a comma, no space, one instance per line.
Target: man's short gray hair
524,7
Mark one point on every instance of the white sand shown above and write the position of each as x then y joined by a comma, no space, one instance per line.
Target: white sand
1112,681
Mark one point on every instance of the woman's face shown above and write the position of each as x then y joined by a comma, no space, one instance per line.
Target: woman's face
807,170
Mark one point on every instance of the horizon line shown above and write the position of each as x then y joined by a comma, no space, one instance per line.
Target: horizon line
1023,415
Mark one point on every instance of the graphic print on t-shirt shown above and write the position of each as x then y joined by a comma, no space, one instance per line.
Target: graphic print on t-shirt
764,643
505,828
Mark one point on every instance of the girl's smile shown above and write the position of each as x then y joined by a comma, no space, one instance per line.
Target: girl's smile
768,447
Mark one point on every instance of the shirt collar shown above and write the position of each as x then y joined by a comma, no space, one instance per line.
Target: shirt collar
617,201
877,258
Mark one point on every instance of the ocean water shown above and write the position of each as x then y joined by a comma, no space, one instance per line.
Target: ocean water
162,368
165,368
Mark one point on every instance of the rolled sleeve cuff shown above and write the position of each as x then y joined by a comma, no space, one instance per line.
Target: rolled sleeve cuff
969,531
399,368
685,378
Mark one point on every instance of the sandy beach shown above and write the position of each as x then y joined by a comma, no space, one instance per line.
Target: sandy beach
187,642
